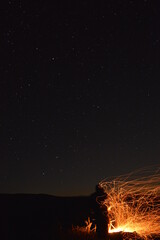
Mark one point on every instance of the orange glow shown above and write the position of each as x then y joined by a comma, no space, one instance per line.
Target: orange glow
85,229
133,203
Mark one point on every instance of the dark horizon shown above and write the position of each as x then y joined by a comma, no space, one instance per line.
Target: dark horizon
79,93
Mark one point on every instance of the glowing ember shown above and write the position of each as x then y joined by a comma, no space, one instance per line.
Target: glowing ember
133,203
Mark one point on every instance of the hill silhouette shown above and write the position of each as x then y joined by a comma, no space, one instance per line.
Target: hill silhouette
40,216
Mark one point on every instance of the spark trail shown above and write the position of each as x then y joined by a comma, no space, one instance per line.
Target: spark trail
133,203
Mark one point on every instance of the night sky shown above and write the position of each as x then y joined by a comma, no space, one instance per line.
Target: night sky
79,93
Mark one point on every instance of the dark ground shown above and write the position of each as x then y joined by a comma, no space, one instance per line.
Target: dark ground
45,217
26,216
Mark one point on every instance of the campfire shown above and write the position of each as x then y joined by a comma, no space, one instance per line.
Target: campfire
133,203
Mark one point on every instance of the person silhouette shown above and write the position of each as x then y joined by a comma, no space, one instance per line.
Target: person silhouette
100,212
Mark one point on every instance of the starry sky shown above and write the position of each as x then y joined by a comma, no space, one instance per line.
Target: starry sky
79,93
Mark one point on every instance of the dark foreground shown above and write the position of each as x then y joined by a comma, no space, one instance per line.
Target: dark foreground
44,217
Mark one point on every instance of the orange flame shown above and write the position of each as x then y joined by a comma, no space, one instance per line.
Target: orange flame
133,203
87,228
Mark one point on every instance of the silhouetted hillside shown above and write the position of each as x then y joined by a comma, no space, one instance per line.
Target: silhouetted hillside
29,216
